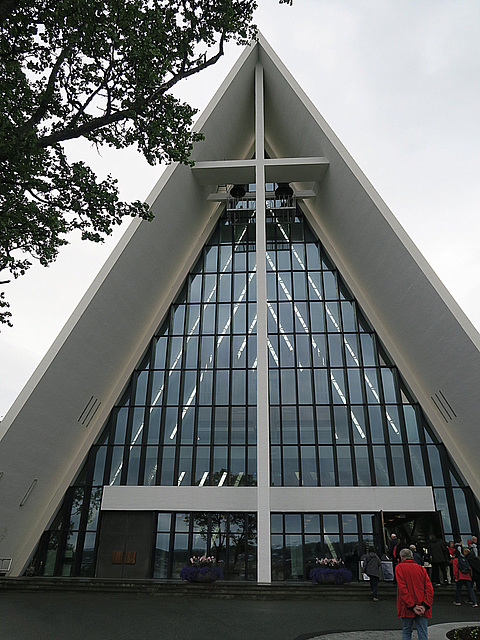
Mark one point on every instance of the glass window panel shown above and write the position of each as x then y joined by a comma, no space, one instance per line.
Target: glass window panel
307,425
289,425
287,350
442,505
185,466
239,387
237,466
276,466
344,461
303,350
285,316
69,554
208,318
327,473
316,316
313,256
311,523
99,469
207,349
158,383
195,288
252,425
224,318
359,429
88,556
416,460
171,425
160,352
191,352
355,386
221,425
298,256
304,380
337,379
330,285
319,350
176,348
381,468
173,388
348,316
273,377
252,352
225,258
288,391
210,288
141,388
276,523
435,465
376,424
225,287
121,426
76,509
393,424
150,471
340,416
388,385
168,462
138,422
252,287
398,462
283,256
324,425
332,313
309,467
204,425
162,555
335,349
220,465
368,352
189,387
116,466
332,545
178,319
182,522
222,380
205,387
188,424
180,553
330,523
352,358
372,386
211,254
349,523
252,258
237,425
462,511
274,425
133,465
291,471
367,523
271,286
239,324
277,558
320,378
411,423
252,386
272,318
299,285
293,523
363,467
223,352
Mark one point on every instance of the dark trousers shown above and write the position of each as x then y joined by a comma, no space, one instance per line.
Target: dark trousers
437,568
374,585
458,590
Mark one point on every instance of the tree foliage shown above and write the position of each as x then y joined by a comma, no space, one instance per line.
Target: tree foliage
102,70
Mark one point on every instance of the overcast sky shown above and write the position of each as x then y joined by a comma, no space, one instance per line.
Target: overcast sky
399,83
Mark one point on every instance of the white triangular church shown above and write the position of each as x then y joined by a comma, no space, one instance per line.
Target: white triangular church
269,372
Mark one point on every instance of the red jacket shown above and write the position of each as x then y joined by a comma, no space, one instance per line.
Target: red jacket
413,587
458,574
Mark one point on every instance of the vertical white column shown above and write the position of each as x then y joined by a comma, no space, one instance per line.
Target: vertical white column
263,430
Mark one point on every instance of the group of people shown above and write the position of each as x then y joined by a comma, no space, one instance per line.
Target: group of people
415,567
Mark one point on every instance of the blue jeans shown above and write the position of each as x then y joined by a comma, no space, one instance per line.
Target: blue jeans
421,624
458,590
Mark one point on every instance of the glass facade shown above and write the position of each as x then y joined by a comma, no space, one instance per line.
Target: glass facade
340,413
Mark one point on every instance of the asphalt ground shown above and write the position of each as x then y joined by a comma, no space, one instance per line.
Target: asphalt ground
53,615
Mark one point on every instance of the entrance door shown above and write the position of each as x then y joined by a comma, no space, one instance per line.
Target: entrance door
125,545
413,526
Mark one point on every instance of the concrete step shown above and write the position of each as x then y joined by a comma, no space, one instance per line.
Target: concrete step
220,589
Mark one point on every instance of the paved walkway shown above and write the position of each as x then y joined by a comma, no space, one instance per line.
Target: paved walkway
435,632
57,615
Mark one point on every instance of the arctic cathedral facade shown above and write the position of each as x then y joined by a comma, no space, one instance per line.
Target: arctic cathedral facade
269,373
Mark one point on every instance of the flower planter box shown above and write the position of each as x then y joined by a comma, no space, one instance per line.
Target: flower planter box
330,576
202,570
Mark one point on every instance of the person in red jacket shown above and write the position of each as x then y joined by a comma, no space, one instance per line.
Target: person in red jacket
463,576
414,596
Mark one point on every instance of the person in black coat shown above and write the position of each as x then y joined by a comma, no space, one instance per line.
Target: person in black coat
474,562
438,557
